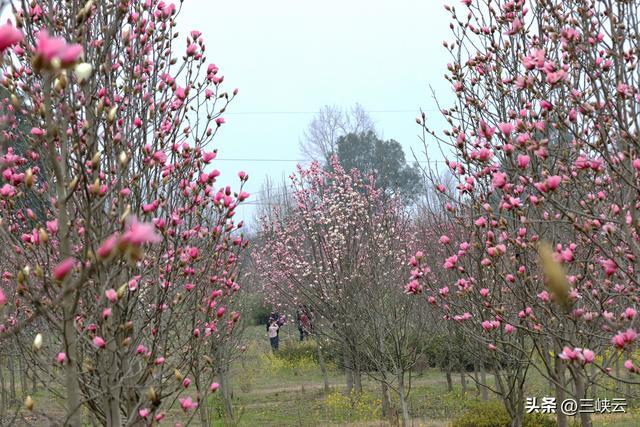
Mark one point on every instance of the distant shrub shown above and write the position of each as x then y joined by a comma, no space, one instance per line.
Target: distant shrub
305,351
274,364
493,414
353,407
258,311
295,352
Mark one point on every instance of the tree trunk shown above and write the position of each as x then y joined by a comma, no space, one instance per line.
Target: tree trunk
227,394
518,419
112,410
484,391
476,377
594,385
449,380
386,403
617,383
3,396
561,418
357,381
463,382
323,367
406,420
12,379
348,371
23,378
581,393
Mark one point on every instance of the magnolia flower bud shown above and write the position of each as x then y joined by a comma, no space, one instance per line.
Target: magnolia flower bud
151,394
60,83
125,214
95,160
111,116
99,106
95,188
37,342
73,183
28,403
121,290
42,234
28,179
123,159
177,374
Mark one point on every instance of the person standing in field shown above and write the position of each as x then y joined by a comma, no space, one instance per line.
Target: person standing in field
273,335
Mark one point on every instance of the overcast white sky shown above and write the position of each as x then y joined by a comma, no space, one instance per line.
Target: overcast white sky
290,57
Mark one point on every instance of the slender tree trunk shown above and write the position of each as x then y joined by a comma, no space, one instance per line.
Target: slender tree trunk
594,386
449,380
323,366
111,386
12,378
227,393
581,393
357,381
3,396
23,377
484,392
69,300
630,379
348,370
476,377
406,420
386,403
617,383
561,418
463,381
518,419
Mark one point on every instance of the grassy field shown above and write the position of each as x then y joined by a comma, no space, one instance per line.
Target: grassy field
269,391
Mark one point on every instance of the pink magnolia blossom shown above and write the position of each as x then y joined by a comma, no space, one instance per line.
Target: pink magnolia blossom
187,404
506,128
61,358
63,269
629,313
111,295
106,249
51,49
99,342
523,161
139,233
144,413
9,36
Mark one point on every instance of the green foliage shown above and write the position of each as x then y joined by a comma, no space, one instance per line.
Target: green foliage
306,351
257,310
353,407
296,352
276,365
368,153
493,414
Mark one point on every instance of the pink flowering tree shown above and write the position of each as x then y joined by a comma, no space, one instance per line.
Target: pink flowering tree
119,247
340,249
543,141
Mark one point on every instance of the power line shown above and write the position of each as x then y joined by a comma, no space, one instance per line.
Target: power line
295,160
246,113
